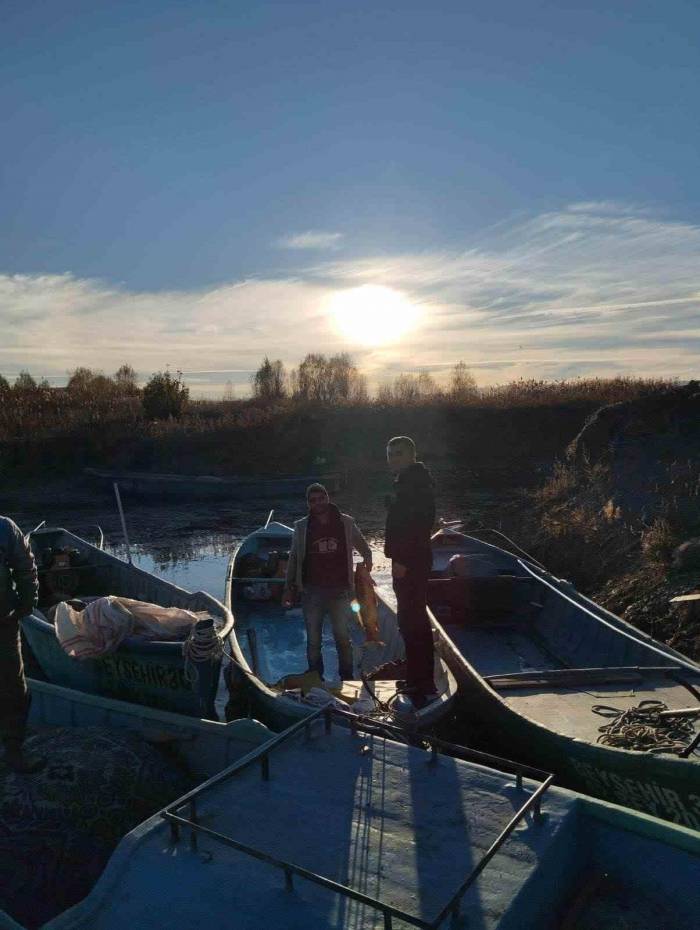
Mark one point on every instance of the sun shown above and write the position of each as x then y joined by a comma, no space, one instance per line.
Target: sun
372,314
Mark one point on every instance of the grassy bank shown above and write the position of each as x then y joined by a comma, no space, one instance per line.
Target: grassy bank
614,521
520,427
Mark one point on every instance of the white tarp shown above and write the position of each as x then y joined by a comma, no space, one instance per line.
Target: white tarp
102,625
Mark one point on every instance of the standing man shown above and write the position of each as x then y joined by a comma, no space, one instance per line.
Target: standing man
320,566
19,588
409,522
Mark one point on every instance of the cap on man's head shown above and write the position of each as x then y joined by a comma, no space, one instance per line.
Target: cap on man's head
314,488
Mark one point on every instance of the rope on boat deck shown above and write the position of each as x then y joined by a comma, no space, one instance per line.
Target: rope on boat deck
201,645
643,729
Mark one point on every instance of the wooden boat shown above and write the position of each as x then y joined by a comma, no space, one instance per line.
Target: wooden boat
533,657
206,746
209,487
274,641
335,829
111,764
150,673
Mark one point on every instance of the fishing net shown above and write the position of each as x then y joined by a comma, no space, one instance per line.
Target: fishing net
59,827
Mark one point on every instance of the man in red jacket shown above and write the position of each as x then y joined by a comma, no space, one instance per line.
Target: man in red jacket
321,568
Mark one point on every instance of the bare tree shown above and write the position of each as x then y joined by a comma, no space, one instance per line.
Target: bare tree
80,379
126,380
311,378
385,394
463,384
359,392
406,389
24,382
427,387
331,380
269,381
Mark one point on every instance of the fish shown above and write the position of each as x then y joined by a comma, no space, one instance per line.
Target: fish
365,604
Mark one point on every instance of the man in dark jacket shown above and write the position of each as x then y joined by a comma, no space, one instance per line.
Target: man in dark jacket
19,588
409,522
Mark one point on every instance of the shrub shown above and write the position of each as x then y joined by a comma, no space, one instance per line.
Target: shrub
659,541
165,396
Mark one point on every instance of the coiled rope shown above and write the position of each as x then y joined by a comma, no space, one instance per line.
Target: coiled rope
644,729
202,645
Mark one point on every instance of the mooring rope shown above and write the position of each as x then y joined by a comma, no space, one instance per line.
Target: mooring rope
202,645
643,729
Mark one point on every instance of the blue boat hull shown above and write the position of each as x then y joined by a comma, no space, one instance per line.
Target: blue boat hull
149,673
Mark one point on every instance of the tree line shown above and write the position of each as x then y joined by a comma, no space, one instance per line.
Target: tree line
336,379
318,379
163,396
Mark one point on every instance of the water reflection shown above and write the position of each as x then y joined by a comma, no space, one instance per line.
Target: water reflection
190,543
196,563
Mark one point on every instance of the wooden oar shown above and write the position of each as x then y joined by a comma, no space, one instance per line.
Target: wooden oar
681,712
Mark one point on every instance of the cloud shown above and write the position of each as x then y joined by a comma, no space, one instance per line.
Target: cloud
610,207
588,291
311,240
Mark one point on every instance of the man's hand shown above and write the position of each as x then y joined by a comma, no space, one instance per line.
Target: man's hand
398,570
288,597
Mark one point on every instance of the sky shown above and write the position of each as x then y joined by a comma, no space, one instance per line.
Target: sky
512,183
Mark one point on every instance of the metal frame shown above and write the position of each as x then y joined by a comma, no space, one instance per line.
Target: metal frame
367,725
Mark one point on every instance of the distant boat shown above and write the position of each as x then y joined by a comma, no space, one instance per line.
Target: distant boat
206,487
533,658
149,673
328,828
274,640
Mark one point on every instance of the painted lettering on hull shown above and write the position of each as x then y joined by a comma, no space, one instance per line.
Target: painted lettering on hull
648,796
167,677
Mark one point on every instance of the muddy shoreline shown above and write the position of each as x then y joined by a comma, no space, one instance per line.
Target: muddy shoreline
76,504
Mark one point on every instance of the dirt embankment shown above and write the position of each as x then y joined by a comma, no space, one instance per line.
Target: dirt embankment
620,504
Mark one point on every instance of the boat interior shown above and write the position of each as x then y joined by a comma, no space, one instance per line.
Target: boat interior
530,641
71,568
273,638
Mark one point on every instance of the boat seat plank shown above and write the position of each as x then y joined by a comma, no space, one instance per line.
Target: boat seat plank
572,677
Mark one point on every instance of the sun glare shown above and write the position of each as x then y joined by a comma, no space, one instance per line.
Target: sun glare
372,315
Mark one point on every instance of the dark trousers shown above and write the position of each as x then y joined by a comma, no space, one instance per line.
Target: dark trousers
411,595
14,698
